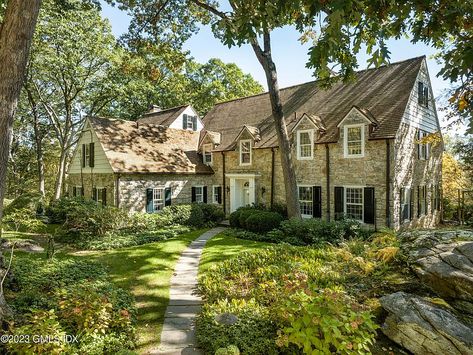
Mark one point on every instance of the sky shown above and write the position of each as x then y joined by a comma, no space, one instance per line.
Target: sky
289,55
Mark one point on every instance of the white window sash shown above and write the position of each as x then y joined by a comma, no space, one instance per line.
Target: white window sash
300,146
199,194
158,199
215,193
362,141
207,153
360,204
245,151
309,202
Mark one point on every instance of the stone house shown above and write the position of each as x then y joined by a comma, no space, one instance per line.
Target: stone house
370,150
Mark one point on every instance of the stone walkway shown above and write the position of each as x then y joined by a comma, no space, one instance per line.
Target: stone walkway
178,334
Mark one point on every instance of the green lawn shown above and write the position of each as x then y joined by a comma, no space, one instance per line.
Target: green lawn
223,247
144,270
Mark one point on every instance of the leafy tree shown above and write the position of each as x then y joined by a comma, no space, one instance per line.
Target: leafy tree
338,30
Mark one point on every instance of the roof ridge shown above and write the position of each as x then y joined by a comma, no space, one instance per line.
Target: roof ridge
314,81
165,110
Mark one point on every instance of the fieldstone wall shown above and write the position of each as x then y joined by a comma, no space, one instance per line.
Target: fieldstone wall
133,188
89,181
410,172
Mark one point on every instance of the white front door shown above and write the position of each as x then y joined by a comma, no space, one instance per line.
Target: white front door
242,192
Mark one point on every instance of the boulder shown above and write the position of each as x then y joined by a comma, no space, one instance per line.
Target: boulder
443,260
423,327
27,245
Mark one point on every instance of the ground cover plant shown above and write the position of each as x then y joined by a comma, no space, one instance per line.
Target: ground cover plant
307,299
68,296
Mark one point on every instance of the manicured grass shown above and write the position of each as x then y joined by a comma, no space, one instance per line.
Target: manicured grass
223,247
145,271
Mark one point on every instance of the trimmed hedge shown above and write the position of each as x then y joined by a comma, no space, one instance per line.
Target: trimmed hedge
263,221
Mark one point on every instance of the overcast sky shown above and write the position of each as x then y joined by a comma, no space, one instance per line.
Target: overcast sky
289,55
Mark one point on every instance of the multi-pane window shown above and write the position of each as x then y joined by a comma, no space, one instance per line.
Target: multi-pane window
405,202
423,94
216,193
422,200
305,144
353,141
99,195
207,153
77,191
245,152
306,200
354,203
423,148
86,152
158,199
199,194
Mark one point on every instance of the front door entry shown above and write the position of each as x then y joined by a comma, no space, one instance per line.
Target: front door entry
242,191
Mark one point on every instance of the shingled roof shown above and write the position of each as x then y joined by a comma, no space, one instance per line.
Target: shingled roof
134,147
163,117
383,92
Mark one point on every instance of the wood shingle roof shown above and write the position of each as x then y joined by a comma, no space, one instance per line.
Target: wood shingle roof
382,92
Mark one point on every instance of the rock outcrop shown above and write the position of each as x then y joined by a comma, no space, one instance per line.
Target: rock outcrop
424,327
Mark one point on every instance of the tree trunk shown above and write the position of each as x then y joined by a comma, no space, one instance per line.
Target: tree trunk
60,174
16,33
290,182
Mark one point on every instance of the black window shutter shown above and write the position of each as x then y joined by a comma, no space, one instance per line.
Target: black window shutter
92,154
83,155
339,192
184,121
149,200
411,204
104,197
204,192
219,194
426,96
193,194
167,196
74,191
420,92
418,201
194,123
317,201
94,194
368,208
402,207
418,145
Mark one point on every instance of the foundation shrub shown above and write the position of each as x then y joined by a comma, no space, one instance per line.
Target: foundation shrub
212,213
263,221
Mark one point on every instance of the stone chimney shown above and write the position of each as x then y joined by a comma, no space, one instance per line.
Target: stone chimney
154,109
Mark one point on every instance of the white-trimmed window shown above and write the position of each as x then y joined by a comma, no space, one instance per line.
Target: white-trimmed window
158,199
98,195
199,194
86,155
77,191
354,141
207,153
216,194
305,144
405,202
245,152
422,200
354,203
306,200
423,148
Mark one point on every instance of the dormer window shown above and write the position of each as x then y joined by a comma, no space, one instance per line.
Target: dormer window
423,94
305,144
245,152
207,153
189,122
354,141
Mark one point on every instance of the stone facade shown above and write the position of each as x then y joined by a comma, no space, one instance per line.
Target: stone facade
91,180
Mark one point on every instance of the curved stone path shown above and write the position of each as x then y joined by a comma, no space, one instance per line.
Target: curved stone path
178,334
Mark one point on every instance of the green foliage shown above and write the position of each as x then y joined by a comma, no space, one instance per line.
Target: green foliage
22,219
141,222
123,240
29,202
39,322
212,213
326,322
229,350
194,215
59,211
249,328
312,231
263,221
69,296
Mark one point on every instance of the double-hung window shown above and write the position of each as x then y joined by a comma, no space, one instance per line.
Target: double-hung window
354,203
216,194
245,152
423,94
207,153
305,144
158,199
199,194
306,201
423,148
354,145
421,200
405,202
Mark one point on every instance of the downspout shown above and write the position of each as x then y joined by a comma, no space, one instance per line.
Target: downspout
224,189
272,178
388,185
327,177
